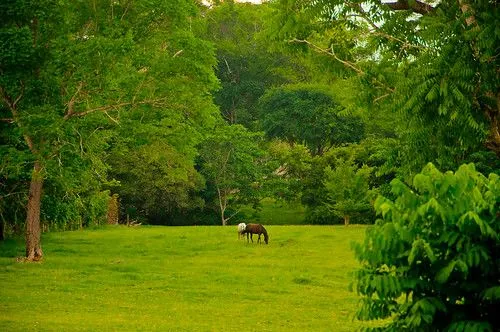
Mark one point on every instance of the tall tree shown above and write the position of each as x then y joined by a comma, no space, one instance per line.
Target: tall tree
229,160
80,65
309,115
248,64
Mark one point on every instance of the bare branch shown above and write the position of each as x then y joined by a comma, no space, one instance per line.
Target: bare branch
467,10
153,102
177,53
381,97
329,52
234,214
12,193
81,142
112,119
7,100
126,10
344,62
12,105
227,65
414,5
71,102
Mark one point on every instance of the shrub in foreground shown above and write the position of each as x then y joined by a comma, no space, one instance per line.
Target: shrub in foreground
432,261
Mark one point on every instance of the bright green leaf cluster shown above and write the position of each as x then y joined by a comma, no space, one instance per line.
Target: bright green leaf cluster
432,260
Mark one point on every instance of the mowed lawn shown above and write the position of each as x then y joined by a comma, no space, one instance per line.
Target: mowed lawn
182,279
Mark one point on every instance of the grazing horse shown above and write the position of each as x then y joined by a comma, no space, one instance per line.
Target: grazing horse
241,229
256,229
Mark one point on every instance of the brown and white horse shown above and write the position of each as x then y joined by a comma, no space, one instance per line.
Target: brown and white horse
256,229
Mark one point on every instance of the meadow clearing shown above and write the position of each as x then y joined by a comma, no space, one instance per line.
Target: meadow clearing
199,278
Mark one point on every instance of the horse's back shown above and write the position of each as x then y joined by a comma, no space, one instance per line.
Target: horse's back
255,228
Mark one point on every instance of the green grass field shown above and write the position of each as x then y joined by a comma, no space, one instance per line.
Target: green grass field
182,279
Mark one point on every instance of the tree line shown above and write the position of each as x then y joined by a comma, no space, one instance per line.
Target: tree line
190,112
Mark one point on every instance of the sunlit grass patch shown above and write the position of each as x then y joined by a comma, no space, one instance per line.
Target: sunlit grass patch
182,278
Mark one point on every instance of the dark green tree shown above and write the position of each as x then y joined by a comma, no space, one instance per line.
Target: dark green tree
248,63
309,115
287,168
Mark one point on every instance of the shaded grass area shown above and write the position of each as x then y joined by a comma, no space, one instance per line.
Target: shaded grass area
281,213
182,279
273,212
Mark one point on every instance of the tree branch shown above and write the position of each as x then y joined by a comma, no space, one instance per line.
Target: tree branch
7,100
344,62
12,106
153,102
378,31
414,5
234,214
328,52
71,102
467,10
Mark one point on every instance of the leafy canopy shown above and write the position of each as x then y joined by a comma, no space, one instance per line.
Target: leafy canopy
435,63
230,162
347,188
309,115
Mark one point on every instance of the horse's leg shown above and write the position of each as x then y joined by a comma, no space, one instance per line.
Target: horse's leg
251,237
258,240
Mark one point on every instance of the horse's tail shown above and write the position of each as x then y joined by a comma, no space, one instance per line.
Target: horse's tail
266,237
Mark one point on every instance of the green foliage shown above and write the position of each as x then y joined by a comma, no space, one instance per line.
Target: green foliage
347,188
229,160
247,65
438,69
431,261
309,115
72,72
288,166
372,153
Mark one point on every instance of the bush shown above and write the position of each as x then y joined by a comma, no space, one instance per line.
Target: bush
432,262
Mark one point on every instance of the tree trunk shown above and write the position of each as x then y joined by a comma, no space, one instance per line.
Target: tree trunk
113,211
222,205
223,218
33,243
346,220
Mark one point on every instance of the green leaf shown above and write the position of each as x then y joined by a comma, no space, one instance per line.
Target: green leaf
491,294
444,274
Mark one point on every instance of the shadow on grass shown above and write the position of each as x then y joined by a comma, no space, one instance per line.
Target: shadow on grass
11,248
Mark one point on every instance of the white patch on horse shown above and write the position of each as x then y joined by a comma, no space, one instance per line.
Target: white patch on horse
241,229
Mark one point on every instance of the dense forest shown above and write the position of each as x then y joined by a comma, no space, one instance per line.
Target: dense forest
190,112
